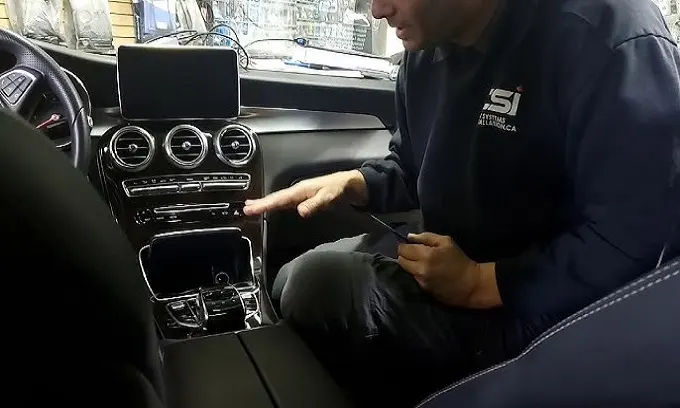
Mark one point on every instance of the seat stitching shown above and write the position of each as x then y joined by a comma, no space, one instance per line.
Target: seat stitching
610,296
548,336
560,327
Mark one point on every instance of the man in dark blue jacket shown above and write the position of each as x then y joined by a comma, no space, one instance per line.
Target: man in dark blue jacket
540,141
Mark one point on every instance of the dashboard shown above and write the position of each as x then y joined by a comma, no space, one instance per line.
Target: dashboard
303,126
176,176
176,182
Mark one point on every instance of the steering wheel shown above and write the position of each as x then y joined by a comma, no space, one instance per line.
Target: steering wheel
34,65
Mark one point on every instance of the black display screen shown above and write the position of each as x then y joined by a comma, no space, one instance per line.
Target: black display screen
181,263
178,82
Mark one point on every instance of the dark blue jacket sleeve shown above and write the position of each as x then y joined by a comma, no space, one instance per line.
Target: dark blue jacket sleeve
392,181
623,160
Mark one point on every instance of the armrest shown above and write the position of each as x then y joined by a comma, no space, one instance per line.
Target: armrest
290,370
262,368
212,372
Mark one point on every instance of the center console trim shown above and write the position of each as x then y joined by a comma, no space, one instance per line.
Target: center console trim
190,232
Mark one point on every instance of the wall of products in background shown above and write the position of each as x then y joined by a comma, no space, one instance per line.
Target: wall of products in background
101,25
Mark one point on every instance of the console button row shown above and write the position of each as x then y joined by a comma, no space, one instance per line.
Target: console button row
194,183
187,312
195,312
190,213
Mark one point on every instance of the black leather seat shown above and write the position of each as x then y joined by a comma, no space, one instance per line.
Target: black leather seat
79,329
622,351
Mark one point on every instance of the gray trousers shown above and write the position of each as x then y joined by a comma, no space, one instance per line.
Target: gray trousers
383,338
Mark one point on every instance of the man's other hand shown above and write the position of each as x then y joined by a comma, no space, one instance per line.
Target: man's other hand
440,267
312,195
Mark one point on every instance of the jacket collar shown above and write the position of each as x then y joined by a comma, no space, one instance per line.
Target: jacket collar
483,44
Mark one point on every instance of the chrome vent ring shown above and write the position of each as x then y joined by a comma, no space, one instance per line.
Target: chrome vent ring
235,145
186,146
132,148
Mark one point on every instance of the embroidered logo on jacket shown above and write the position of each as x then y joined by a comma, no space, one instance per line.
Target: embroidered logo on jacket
500,109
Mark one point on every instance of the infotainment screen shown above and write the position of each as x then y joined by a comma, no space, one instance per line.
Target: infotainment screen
181,263
178,82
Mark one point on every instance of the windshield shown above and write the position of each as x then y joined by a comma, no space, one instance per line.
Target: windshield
325,37
328,37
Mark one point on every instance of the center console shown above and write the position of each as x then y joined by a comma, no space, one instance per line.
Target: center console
176,177
176,172
178,190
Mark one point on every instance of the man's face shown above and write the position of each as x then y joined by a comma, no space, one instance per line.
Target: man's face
421,23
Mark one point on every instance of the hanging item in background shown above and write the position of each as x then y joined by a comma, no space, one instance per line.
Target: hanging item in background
161,17
40,19
92,25
154,18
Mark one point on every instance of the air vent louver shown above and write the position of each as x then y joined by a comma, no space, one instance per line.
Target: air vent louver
186,146
132,148
235,145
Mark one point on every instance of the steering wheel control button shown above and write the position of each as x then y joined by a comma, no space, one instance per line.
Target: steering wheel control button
24,85
5,82
15,85
9,89
14,98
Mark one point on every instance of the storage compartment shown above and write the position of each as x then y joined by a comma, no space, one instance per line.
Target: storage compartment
177,263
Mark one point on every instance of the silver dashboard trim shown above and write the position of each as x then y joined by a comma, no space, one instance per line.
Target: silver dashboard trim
167,147
251,140
120,163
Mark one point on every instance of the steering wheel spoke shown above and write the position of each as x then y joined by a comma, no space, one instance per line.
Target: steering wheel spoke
16,85
35,68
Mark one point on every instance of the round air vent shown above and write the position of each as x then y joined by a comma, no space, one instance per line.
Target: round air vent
186,146
235,145
132,148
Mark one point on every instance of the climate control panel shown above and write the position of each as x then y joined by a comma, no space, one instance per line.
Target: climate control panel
188,183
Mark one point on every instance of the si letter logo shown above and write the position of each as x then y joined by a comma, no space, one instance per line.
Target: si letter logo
500,109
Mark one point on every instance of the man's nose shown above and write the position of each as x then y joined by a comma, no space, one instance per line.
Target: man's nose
382,9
